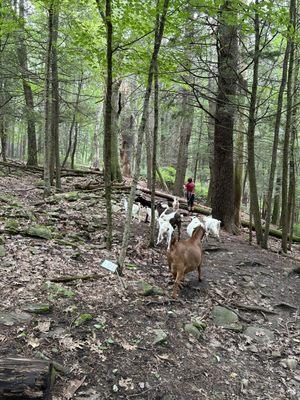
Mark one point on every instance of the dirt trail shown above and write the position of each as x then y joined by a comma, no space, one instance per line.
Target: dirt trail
115,351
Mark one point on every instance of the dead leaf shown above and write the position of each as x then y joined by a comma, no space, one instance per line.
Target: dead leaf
43,326
126,383
72,388
33,342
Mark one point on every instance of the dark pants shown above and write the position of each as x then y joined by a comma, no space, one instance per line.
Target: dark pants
190,199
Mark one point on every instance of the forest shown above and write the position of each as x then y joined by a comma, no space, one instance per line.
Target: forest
149,199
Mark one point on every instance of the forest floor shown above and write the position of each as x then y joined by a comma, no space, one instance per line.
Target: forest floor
135,343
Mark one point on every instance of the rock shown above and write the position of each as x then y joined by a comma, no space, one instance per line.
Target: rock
192,330
58,290
260,334
115,208
39,231
12,226
2,251
199,324
226,318
38,308
290,363
2,241
83,318
71,196
14,318
276,354
149,290
161,336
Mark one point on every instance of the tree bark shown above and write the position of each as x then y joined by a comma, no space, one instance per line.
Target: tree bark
159,29
223,190
96,141
55,156
47,148
254,205
276,207
116,174
154,155
74,146
285,153
184,140
25,379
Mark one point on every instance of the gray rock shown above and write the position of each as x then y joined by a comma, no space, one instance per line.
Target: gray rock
290,363
160,336
38,308
39,231
259,334
192,330
226,318
2,251
14,318
149,290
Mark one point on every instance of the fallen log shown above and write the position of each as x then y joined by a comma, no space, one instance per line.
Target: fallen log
25,379
64,171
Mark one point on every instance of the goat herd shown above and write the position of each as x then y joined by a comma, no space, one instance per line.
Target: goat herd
183,255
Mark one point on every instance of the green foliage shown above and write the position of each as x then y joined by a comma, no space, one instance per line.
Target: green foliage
168,173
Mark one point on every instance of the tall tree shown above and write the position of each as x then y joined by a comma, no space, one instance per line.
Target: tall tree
47,104
108,116
223,190
159,30
187,118
285,153
254,204
26,76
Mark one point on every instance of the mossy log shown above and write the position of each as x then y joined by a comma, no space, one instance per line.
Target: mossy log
25,379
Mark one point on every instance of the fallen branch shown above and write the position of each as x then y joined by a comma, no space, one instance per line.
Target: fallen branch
75,278
253,308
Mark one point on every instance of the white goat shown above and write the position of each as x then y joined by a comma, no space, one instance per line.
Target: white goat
193,225
175,204
165,230
135,209
212,226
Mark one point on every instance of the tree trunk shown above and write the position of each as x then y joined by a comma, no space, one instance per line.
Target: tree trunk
25,379
22,57
149,152
96,141
116,110
285,153
55,156
108,117
210,131
223,190
73,122
254,205
275,146
198,148
159,29
47,151
154,154
184,140
276,208
74,146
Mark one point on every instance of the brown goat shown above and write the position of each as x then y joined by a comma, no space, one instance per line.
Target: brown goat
185,256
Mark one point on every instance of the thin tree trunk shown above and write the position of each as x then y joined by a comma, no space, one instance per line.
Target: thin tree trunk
96,141
108,117
159,29
47,148
198,148
254,205
285,158
73,122
116,174
22,57
275,214
210,131
74,146
154,148
275,146
223,190
184,140
55,159
149,152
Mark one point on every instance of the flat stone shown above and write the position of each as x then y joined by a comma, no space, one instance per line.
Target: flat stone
2,251
160,336
14,318
259,334
38,308
226,318
290,363
192,330
39,231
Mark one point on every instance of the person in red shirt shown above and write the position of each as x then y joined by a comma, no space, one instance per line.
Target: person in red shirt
190,193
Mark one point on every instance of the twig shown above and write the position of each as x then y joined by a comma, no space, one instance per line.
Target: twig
253,308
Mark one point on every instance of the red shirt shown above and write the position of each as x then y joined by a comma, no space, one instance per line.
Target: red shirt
190,187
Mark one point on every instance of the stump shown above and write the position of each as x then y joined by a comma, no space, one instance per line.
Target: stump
25,379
